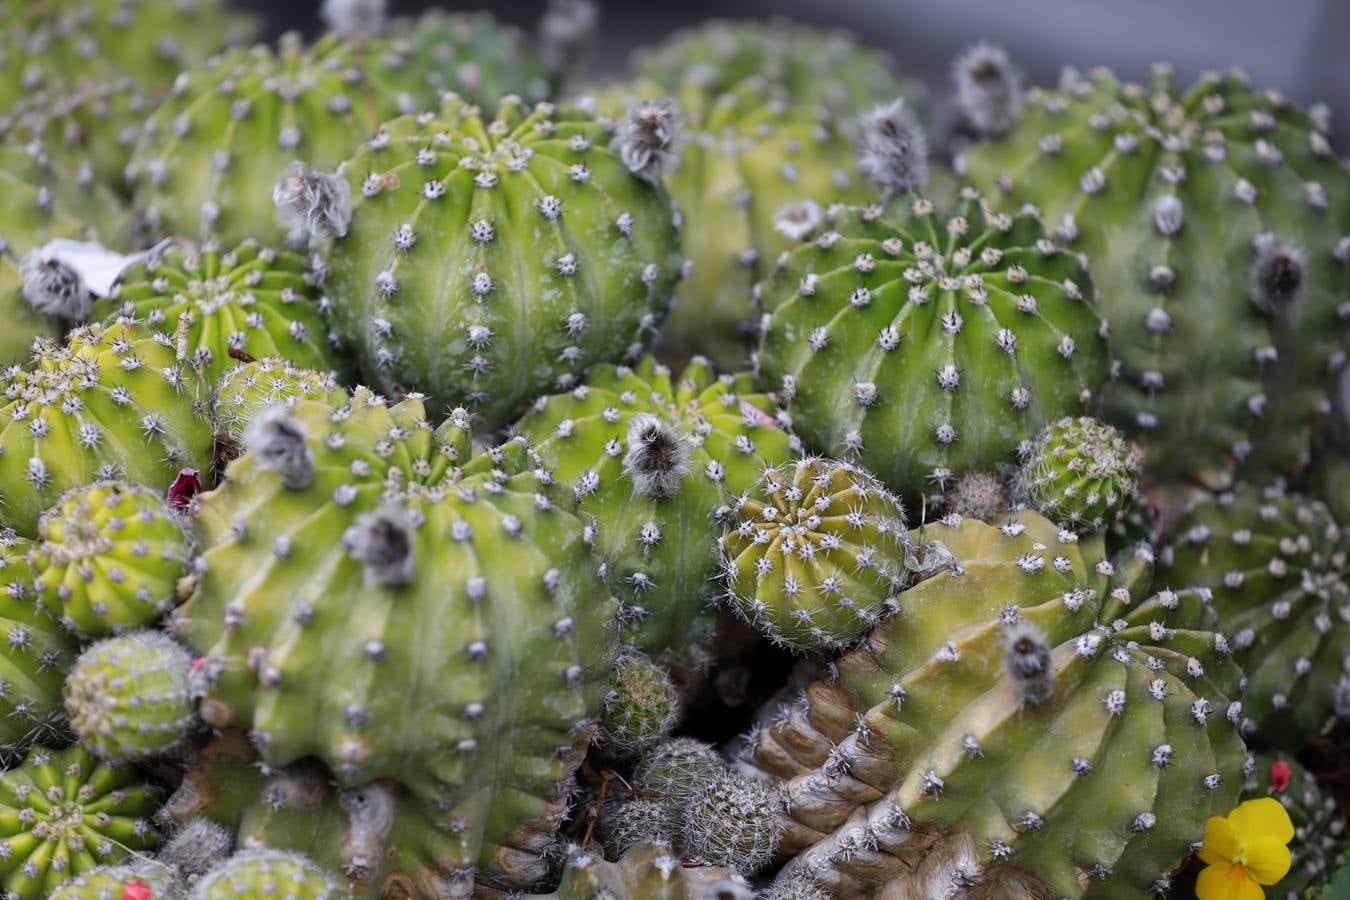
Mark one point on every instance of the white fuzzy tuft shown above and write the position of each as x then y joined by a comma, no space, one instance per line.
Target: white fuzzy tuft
658,457
196,847
796,221
280,443
313,205
384,542
648,141
1028,658
988,89
355,18
893,149
567,33
53,287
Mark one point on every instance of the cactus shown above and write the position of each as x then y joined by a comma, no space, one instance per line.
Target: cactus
438,288
927,346
641,708
64,813
263,873
998,734
35,657
1278,567
731,820
815,556
672,771
626,822
649,458
196,847
247,302
649,870
978,495
1319,829
129,697
1225,335
139,879
318,620
249,388
1082,473
108,558
113,402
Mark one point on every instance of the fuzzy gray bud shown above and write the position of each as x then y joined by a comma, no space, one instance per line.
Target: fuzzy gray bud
383,541
196,847
355,18
1276,274
648,141
280,443
54,287
658,457
314,205
567,33
893,148
1028,658
988,89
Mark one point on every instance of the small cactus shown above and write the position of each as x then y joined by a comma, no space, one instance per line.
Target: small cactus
263,873
195,847
649,870
731,820
140,878
1082,473
626,822
978,494
672,771
641,709
249,388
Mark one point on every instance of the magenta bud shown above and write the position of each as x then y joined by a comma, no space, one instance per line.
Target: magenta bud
185,486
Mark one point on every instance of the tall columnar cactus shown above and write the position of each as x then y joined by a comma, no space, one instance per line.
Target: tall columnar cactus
816,554
1081,473
113,402
62,813
35,655
108,558
1032,724
371,597
1218,224
926,346
649,458
263,873
1278,567
490,259
648,870
249,388
245,302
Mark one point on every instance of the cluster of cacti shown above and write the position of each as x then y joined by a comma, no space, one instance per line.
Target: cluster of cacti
563,612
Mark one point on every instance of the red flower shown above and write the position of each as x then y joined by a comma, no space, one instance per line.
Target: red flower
1280,773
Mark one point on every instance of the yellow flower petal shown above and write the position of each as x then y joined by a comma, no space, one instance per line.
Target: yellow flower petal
1221,844
1267,860
1263,817
1227,882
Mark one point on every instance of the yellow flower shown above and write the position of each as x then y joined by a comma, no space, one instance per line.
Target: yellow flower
1244,851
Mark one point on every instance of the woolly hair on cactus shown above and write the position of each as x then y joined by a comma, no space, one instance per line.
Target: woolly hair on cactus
1278,567
249,388
648,870
815,555
317,620
34,659
196,847
641,708
113,402
1082,473
108,558
997,735
490,259
129,697
978,494
246,301
62,813
139,879
1225,335
259,873
926,346
649,457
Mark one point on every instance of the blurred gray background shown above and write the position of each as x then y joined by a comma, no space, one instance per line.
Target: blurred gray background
1299,46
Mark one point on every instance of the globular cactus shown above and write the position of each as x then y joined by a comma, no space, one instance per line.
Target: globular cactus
35,655
196,847
647,870
130,698
816,554
730,820
141,878
1082,473
1319,830
926,346
1032,724
491,258
263,873
641,708
626,822
1225,334
62,813
317,620
108,558
650,457
673,771
1278,567
246,302
112,402
250,388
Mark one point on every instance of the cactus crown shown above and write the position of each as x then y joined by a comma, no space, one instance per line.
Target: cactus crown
250,388
1082,473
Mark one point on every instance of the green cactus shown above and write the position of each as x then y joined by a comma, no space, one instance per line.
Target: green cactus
926,346
245,302
1218,224
129,697
62,812
491,259
114,401
108,558
730,820
35,657
1082,473
650,458
641,708
1278,567
404,612
153,880
626,822
265,873
672,771
815,556
649,870
249,388
1032,721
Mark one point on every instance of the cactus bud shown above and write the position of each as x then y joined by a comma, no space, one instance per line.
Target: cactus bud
281,444
383,541
893,148
53,287
980,494
314,205
196,847
1276,274
988,89
657,458
649,139
1028,660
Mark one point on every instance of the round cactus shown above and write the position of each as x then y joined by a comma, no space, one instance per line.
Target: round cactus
138,879
650,870
1218,225
489,260
641,708
62,813
925,346
977,495
730,820
112,402
649,457
108,558
626,822
1082,473
994,736
815,556
388,566
196,847
248,302
268,873
129,697
249,388
675,769
1278,567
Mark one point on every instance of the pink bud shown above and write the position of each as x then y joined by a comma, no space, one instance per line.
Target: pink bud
137,890
186,486
1280,773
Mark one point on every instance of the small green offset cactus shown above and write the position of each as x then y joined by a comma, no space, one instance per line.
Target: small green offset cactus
108,558
673,770
1082,473
649,870
268,873
626,822
641,708
730,820
139,879
249,388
